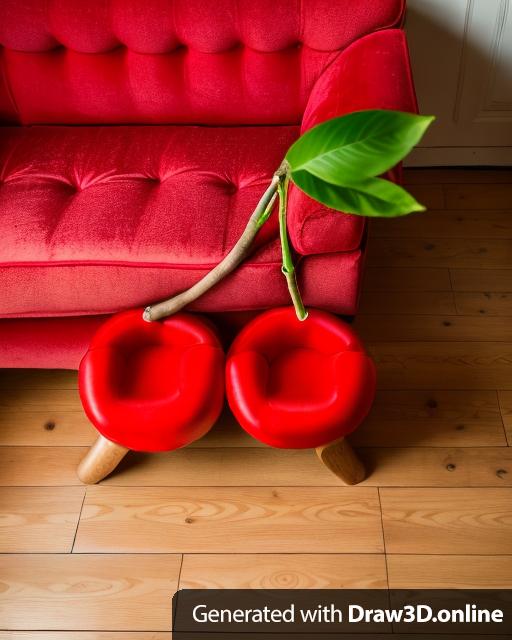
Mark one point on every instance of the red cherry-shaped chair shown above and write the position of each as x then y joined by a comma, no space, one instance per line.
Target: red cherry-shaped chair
299,385
149,387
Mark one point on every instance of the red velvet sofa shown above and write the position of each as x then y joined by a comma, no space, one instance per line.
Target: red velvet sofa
136,138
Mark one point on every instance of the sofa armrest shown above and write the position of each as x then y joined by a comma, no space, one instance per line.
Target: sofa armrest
372,73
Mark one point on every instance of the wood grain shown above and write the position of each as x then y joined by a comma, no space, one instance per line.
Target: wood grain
387,465
446,224
471,253
449,572
44,466
49,400
505,400
481,279
289,571
226,432
88,635
87,592
38,379
230,520
486,303
46,428
447,521
442,418
394,413
406,303
341,459
397,279
438,467
427,328
39,520
478,196
468,175
430,195
442,365
72,428
229,466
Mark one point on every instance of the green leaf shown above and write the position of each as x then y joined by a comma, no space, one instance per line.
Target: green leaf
372,197
356,146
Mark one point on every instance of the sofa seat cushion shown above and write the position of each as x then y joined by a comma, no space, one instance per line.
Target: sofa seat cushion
90,215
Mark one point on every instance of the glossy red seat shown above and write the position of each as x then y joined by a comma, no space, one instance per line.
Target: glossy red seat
304,384
149,387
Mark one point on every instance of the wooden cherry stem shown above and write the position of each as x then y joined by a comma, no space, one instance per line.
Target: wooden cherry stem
230,262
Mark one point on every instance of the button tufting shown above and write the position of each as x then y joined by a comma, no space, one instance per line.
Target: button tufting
179,47
230,187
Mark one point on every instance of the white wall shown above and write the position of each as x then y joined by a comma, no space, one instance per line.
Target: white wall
462,60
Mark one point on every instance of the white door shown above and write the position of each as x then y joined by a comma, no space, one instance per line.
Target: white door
461,54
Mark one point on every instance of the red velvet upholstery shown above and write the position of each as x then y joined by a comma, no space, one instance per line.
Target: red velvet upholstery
137,215
95,219
299,384
153,386
176,61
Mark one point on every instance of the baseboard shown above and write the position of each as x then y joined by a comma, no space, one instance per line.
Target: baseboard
460,156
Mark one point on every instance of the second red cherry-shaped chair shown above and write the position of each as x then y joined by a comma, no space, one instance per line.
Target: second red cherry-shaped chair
149,387
302,385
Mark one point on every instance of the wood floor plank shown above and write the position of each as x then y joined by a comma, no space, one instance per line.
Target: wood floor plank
453,253
430,196
289,571
427,328
38,379
41,466
86,635
253,467
387,466
398,279
48,400
449,572
39,519
228,467
488,303
447,521
481,279
478,196
406,302
218,466
230,520
46,428
457,176
72,428
443,365
505,400
227,433
405,416
438,467
87,592
265,467
442,418
446,224
399,418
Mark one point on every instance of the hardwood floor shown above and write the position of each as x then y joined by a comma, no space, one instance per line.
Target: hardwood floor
101,563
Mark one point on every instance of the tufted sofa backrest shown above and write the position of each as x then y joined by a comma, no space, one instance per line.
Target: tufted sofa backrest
173,61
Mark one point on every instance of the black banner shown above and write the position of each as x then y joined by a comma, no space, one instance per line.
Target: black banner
363,614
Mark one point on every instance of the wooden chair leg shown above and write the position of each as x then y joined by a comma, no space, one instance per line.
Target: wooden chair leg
341,459
101,459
